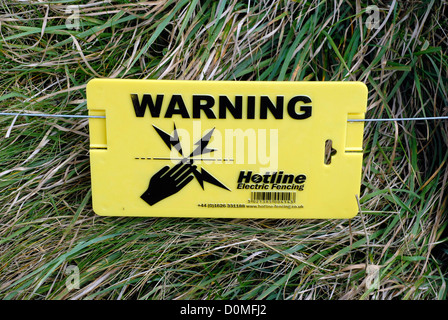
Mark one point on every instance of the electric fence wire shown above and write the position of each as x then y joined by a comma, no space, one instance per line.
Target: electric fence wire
47,115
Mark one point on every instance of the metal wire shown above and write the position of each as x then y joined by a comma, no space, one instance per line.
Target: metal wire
398,119
47,115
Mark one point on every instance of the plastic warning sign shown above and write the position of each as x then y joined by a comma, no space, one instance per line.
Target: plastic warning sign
226,149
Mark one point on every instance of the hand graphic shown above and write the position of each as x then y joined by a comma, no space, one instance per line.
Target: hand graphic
167,182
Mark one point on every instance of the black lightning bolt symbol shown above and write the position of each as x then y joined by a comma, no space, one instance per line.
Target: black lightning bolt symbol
170,141
203,175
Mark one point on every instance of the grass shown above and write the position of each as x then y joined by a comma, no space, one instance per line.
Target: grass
396,248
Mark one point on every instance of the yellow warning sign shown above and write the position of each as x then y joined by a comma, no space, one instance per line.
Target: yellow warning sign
226,149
